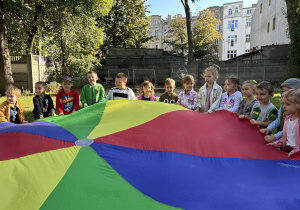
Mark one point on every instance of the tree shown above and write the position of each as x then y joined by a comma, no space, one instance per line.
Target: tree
6,78
177,36
293,17
204,35
126,25
186,6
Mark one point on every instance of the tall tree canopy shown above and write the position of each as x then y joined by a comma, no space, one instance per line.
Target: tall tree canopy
293,17
205,35
51,27
126,25
177,36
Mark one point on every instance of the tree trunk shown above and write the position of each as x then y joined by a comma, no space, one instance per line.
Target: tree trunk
6,78
293,17
189,29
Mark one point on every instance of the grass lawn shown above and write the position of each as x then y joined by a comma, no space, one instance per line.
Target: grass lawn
28,104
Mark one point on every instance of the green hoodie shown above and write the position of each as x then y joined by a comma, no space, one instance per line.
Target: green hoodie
92,94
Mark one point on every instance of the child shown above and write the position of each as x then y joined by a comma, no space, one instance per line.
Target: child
188,97
67,99
246,105
292,83
264,112
43,104
210,93
147,91
230,100
92,93
11,110
169,96
290,141
120,92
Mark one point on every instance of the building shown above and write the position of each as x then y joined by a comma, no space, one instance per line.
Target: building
235,26
158,28
236,29
269,24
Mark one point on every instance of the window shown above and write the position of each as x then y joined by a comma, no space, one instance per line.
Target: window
246,51
150,33
274,21
231,54
270,2
230,12
217,27
248,23
260,8
236,11
156,22
247,37
232,39
166,32
268,27
156,45
232,24
249,11
157,34
165,23
216,41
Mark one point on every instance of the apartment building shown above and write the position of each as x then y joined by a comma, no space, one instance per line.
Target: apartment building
235,26
269,24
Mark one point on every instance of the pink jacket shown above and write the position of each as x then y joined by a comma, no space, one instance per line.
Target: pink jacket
297,132
152,98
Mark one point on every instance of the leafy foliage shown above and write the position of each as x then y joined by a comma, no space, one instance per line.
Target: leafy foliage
126,25
177,35
204,35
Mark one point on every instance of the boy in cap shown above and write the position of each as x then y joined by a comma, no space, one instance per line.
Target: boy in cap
292,83
67,99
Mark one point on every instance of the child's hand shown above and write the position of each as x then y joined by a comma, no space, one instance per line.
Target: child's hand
53,114
24,121
197,109
265,130
85,105
73,111
41,116
269,138
67,110
60,114
186,106
253,122
297,149
206,112
241,117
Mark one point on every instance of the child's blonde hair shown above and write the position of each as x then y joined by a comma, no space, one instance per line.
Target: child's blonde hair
214,69
188,78
293,96
170,81
251,83
236,81
145,83
13,90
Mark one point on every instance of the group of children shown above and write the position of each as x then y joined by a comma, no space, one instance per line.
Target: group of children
259,110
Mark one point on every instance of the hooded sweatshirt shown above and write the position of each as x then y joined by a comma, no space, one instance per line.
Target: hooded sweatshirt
231,103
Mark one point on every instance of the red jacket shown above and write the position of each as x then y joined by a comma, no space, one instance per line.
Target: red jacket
71,96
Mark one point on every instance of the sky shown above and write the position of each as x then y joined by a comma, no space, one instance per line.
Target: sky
173,7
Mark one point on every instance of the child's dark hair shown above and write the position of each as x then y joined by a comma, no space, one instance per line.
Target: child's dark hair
265,85
92,72
145,83
44,84
233,79
122,76
188,78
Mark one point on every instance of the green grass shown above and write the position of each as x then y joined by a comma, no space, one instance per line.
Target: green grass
28,104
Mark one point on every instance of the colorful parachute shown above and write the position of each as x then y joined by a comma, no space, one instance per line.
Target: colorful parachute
143,155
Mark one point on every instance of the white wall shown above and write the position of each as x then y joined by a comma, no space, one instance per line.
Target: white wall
259,34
